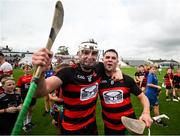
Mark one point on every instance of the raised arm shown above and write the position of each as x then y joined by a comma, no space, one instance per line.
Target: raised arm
43,58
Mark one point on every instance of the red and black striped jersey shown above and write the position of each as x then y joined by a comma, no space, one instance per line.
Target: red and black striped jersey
80,92
115,100
144,75
176,80
167,79
23,83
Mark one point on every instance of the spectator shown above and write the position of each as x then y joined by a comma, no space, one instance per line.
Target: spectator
23,84
168,80
10,105
176,83
5,67
152,92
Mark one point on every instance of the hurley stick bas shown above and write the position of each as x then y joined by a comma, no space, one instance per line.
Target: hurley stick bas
56,26
137,126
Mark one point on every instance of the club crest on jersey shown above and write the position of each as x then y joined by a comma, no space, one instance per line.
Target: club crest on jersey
89,92
112,82
89,78
113,96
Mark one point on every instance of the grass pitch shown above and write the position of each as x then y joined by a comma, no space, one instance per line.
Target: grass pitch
171,109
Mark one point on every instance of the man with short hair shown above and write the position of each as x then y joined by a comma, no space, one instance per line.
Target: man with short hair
115,97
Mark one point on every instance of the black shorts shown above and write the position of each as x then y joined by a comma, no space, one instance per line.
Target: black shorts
168,87
143,84
91,129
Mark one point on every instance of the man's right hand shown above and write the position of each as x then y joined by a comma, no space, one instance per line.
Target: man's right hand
42,58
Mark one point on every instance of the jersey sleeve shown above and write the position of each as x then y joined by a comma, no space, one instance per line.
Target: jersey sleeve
65,75
134,89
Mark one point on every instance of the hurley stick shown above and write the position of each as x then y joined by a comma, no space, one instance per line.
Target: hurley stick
134,125
56,26
138,126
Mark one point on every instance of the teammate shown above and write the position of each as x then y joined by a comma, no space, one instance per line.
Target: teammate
115,98
152,92
176,83
10,105
23,84
80,88
170,91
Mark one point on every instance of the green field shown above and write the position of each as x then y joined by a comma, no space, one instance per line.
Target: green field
172,109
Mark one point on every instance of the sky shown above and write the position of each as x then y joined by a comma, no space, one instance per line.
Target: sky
137,29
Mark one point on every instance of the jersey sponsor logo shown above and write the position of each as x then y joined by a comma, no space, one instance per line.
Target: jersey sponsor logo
81,77
103,82
113,96
88,92
89,78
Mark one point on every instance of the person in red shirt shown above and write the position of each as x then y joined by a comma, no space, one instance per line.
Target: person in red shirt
168,80
176,83
23,84
141,77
